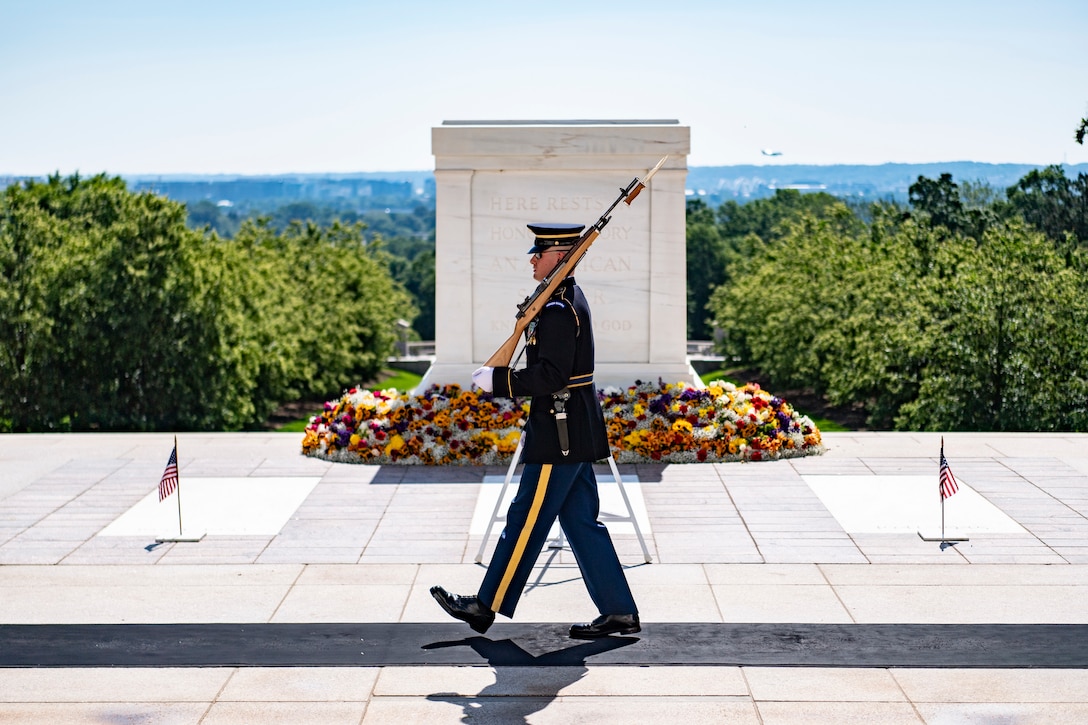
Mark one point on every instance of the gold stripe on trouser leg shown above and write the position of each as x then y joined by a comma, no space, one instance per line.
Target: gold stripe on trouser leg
523,538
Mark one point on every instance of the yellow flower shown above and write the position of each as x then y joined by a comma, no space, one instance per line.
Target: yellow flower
681,426
395,444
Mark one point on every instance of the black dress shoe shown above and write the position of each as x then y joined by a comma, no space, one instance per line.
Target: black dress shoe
467,609
605,625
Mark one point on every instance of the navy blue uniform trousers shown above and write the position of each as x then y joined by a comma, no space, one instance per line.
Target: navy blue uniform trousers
546,491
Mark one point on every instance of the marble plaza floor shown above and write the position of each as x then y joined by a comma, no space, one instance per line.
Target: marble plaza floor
810,573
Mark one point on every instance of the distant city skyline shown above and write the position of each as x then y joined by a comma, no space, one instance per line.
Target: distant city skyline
333,86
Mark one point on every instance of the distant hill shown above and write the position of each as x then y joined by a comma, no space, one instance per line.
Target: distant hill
741,183
714,183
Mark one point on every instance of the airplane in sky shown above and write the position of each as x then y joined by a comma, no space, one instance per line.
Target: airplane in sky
770,152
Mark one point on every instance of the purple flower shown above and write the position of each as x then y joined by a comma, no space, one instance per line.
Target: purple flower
661,405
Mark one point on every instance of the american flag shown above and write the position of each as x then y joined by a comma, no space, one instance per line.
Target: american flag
947,480
169,479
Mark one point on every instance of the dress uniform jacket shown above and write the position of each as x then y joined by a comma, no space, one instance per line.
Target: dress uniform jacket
559,353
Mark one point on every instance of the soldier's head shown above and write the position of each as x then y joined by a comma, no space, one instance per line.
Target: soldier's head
551,242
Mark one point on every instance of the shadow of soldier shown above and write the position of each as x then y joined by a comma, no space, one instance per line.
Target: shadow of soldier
524,683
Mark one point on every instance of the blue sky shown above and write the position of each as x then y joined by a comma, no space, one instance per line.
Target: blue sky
330,86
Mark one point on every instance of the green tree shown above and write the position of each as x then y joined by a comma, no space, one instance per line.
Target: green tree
941,204
349,305
103,308
764,217
114,315
418,278
743,232
779,306
1053,203
925,328
1007,347
706,263
207,215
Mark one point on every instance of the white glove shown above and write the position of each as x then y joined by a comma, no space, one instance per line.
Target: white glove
482,378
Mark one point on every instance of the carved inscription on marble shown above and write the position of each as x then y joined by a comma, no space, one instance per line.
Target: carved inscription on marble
614,273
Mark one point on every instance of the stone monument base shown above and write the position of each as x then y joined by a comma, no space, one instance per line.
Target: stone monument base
493,178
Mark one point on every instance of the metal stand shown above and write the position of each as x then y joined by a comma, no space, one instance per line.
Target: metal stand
945,540
193,539
497,515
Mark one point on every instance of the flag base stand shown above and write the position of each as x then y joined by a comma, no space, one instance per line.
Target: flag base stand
180,538
949,539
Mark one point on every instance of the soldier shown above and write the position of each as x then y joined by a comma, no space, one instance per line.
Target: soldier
564,435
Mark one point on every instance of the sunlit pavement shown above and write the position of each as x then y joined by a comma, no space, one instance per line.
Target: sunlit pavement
810,545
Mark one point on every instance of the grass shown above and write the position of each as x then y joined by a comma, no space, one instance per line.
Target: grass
829,426
402,380
720,375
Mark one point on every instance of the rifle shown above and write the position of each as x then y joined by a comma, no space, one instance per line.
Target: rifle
534,303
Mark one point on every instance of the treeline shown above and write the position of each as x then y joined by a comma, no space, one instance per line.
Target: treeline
965,310
408,238
116,315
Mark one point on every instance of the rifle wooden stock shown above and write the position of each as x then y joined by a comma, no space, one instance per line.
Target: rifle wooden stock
533,304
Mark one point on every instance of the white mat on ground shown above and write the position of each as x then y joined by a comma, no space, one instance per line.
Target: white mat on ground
902,504
217,506
611,503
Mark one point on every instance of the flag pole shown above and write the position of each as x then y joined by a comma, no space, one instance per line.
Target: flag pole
177,489
181,529
942,495
940,492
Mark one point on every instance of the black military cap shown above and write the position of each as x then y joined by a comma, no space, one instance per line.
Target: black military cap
550,235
